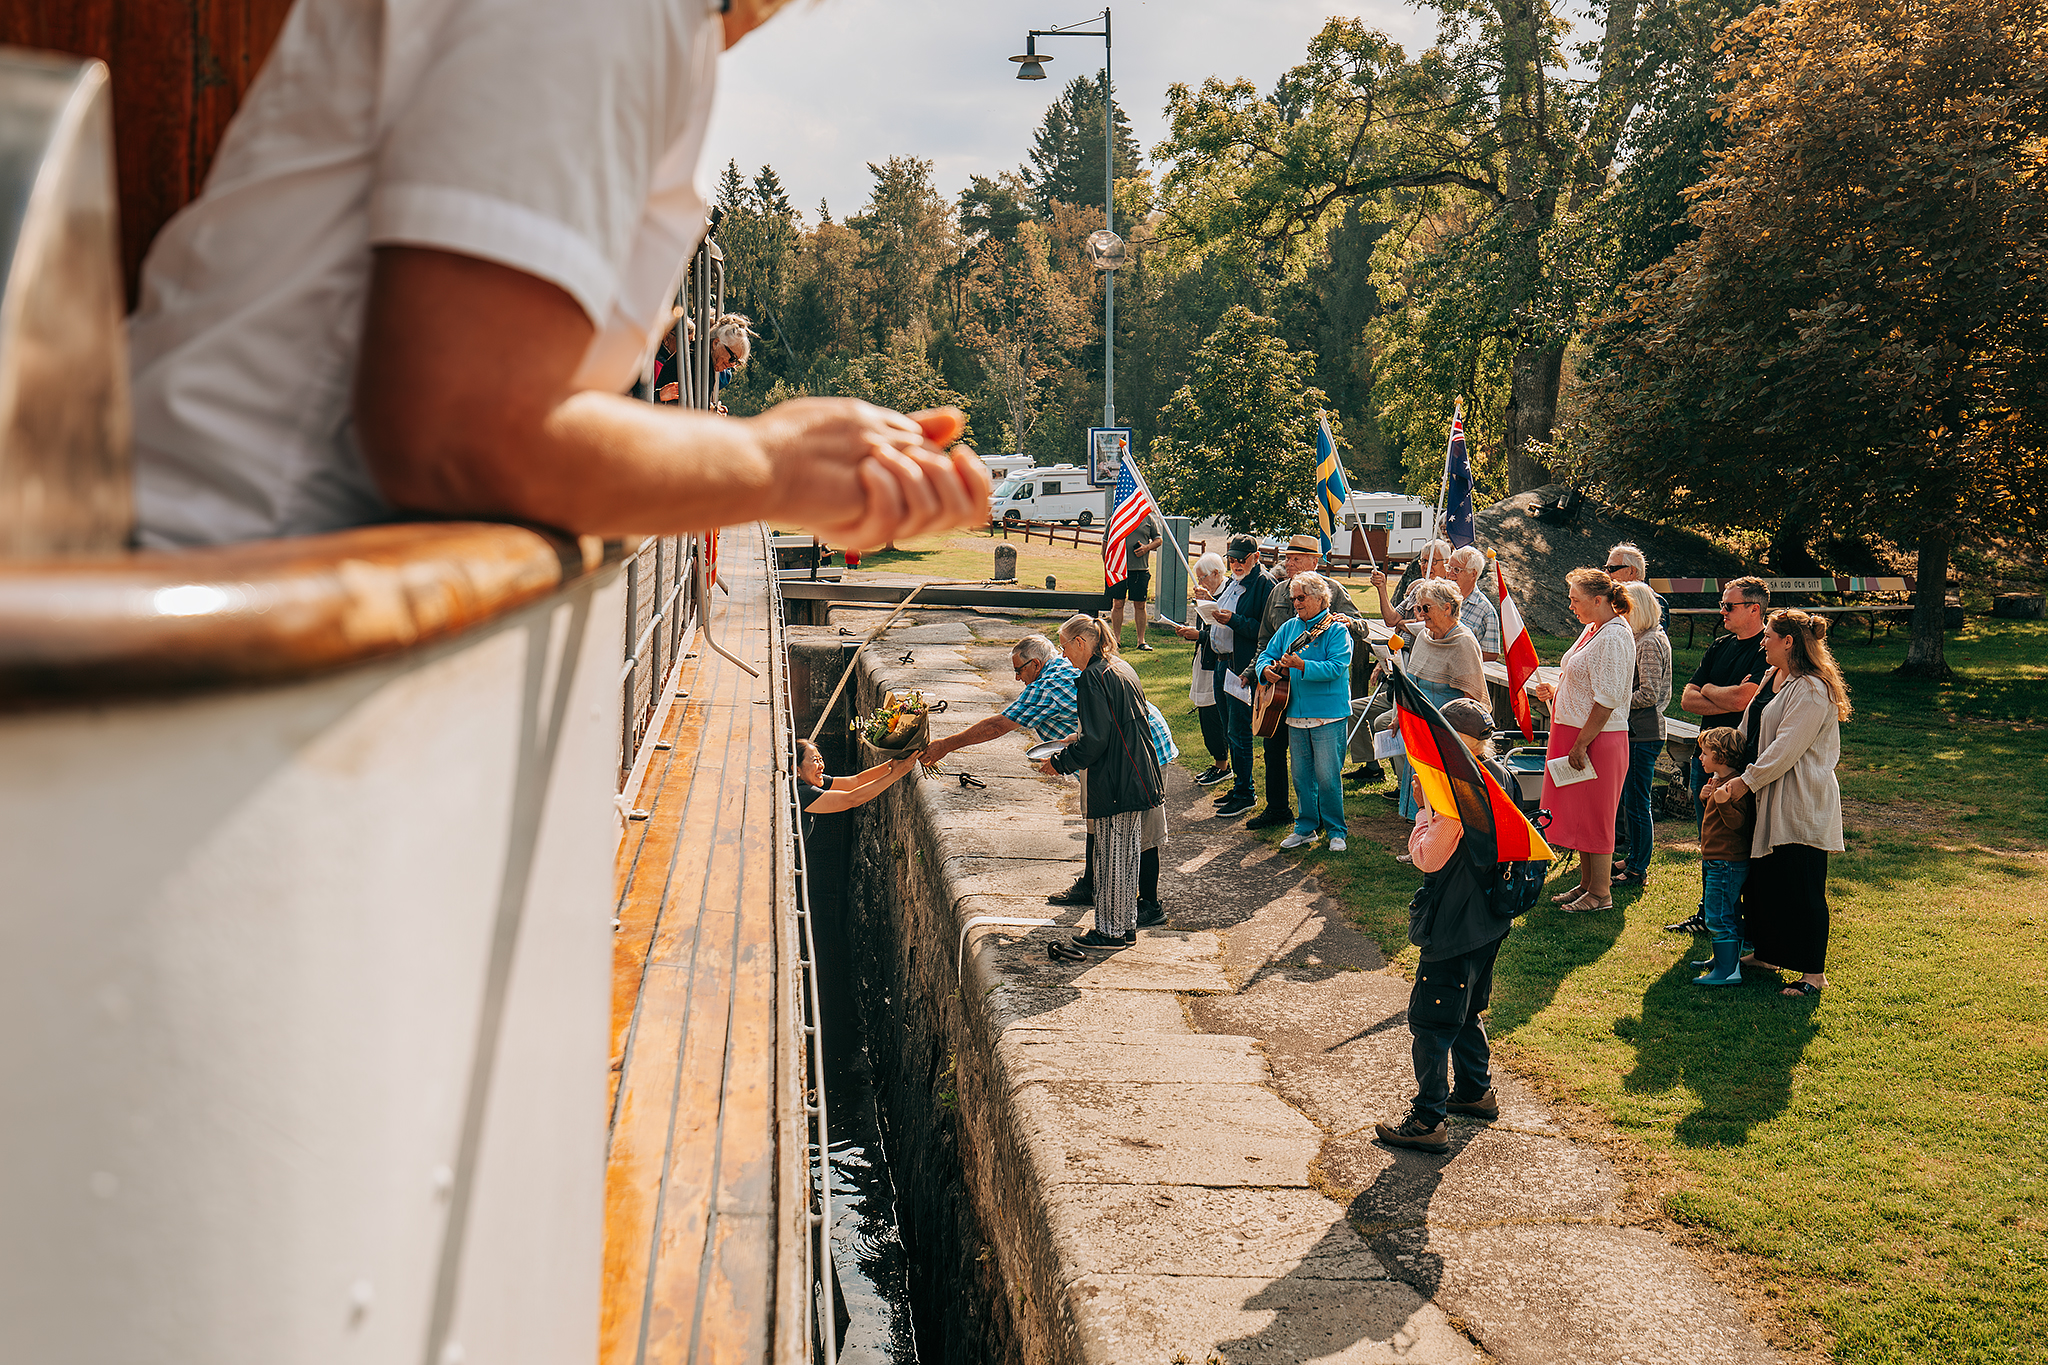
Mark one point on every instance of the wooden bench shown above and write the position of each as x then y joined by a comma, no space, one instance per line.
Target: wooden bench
1870,611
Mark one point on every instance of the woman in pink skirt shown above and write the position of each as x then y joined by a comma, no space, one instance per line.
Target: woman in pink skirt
1589,726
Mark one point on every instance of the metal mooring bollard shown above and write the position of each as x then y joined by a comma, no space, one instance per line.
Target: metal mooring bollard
1006,563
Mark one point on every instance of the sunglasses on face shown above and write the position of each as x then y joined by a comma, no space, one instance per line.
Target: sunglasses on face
1731,606
1616,568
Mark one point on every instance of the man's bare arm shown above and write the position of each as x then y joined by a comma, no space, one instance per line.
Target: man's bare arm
981,732
464,407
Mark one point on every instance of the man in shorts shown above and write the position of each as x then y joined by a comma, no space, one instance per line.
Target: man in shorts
1136,588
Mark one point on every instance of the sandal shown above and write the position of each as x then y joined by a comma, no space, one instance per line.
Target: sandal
1631,879
1586,905
1800,990
1561,897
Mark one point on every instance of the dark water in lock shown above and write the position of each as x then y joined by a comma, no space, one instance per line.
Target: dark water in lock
867,1247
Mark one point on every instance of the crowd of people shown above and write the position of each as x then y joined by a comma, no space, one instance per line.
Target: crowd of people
1767,693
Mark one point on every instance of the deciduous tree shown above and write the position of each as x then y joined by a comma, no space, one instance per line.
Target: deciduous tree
1237,442
1861,326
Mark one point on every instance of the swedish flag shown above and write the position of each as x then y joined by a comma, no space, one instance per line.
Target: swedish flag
1333,494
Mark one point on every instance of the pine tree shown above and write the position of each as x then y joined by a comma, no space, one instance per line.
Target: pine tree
734,195
1066,151
768,193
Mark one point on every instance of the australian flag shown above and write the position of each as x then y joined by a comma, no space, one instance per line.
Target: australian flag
1457,486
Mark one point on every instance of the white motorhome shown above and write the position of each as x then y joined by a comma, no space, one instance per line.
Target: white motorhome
1054,492
1001,467
1407,522
1410,523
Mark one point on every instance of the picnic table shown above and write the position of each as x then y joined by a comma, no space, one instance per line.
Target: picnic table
1870,611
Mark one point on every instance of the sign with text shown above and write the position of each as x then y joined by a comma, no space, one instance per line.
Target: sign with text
1106,447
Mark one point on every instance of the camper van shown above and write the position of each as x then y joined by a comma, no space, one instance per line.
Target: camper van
1410,523
1001,467
1053,492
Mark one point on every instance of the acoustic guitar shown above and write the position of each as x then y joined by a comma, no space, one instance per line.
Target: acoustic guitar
1269,702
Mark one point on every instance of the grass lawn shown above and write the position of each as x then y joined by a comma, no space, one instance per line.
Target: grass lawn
971,555
1876,1159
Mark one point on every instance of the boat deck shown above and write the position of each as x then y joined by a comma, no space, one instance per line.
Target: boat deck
707,1208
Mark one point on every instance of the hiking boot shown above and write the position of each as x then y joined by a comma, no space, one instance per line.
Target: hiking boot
1694,923
1487,1106
1413,1132
1270,819
1080,893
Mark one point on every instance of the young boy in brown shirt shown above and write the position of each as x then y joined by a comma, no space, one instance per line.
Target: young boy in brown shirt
1725,829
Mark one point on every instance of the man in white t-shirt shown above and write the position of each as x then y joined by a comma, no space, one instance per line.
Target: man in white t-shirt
432,255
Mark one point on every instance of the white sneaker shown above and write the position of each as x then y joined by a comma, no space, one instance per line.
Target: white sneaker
1336,843
1297,840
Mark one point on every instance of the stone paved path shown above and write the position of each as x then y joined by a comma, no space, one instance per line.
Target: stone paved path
1199,1113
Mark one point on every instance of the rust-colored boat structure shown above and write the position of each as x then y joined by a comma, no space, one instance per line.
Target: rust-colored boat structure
403,949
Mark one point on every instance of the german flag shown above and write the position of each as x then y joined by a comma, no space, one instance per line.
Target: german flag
1455,784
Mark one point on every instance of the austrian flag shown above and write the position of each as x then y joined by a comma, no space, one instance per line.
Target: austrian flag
1516,652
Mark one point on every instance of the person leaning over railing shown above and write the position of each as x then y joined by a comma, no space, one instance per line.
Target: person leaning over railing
435,250
1793,728
818,794
1646,706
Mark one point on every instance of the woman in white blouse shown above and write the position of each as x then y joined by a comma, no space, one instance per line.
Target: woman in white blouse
1589,728
1794,728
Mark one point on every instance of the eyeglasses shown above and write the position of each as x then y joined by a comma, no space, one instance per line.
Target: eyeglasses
1617,568
1731,606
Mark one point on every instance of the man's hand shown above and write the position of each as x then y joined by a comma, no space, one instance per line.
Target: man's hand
1187,632
1292,660
833,456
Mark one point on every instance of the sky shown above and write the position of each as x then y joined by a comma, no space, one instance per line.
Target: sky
824,88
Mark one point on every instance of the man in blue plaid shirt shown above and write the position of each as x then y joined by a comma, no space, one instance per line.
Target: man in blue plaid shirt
1049,707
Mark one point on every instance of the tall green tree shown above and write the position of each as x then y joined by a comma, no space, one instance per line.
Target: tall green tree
907,235
994,207
1237,442
1487,151
1065,162
1860,328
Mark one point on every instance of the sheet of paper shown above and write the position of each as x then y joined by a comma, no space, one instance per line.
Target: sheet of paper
1235,687
1563,774
1387,744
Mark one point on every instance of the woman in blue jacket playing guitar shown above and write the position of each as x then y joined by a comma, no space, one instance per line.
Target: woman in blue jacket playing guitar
1305,670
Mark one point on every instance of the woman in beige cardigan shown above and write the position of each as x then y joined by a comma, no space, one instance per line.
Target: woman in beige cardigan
1794,730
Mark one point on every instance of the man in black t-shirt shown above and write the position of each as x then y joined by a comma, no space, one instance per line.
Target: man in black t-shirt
1725,683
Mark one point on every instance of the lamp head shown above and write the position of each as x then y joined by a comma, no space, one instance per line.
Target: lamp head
1030,66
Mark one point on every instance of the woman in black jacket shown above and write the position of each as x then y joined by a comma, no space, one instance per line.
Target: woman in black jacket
1115,747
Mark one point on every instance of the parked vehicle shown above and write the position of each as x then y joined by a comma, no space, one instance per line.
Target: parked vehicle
1001,467
1054,492
1410,523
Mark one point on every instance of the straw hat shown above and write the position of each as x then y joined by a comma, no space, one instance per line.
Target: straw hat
1303,545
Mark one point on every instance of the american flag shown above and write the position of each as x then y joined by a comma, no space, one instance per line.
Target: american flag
1133,504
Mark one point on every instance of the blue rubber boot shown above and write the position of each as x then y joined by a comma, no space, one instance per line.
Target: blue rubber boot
1727,968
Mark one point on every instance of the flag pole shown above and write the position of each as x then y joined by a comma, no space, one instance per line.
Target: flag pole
1165,532
1323,419
1443,492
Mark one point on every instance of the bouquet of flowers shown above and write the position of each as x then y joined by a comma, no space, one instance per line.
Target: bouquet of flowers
901,723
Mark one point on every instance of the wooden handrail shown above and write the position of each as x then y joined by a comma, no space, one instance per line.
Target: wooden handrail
266,611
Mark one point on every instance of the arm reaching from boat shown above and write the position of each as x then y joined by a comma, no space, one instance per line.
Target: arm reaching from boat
464,406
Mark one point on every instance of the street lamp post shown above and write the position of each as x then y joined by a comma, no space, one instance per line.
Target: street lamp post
1106,246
